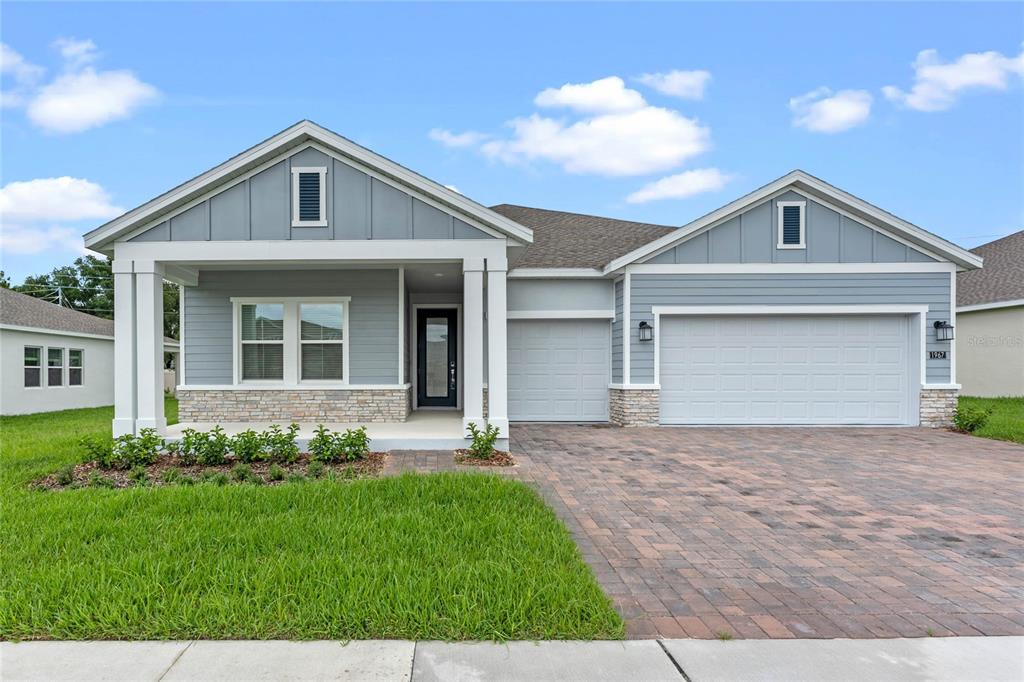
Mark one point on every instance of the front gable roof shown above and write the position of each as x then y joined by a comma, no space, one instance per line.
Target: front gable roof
815,188
302,133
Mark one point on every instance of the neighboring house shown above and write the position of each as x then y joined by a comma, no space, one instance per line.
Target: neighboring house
990,317
323,282
54,358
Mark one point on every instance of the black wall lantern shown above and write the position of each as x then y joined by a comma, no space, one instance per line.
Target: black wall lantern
646,331
943,331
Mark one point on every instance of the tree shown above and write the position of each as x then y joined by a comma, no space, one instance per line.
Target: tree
5,281
88,286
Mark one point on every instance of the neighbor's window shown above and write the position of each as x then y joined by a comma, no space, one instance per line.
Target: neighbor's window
54,366
791,224
262,341
309,197
33,367
321,341
76,366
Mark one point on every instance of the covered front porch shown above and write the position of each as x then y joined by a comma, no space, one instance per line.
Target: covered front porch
413,349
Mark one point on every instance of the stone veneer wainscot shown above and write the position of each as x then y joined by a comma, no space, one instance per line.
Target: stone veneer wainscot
634,406
299,405
938,406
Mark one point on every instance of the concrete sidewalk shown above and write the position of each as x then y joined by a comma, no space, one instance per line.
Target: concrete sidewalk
959,659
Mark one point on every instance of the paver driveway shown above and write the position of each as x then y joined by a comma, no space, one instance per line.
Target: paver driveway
787,532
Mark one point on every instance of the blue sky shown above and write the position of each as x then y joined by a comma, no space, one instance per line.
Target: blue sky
125,101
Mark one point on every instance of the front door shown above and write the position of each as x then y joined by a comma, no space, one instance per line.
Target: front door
437,377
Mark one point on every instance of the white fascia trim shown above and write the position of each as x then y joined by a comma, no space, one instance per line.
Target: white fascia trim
940,246
786,268
990,306
560,315
305,251
290,299
54,332
556,273
941,387
635,387
780,210
285,140
305,386
841,309
321,171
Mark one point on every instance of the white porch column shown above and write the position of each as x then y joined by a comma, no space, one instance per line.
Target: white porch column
497,351
124,347
473,341
149,334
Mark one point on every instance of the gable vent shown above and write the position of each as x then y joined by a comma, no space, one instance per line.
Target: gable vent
309,196
791,224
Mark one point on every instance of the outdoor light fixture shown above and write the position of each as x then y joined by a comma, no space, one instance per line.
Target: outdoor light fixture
943,331
646,331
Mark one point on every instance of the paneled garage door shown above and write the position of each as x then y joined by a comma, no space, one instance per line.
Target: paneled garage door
830,369
558,370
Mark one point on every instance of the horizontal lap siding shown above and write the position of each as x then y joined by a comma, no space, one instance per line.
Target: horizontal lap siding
931,289
617,336
373,318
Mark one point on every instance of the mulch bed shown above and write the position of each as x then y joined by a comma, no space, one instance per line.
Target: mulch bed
84,475
500,458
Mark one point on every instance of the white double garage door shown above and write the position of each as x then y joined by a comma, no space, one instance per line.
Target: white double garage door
730,369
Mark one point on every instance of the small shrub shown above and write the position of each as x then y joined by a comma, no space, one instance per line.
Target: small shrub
173,448
329,446
188,447
968,419
281,445
215,447
315,469
138,475
98,480
142,450
65,475
354,444
241,472
248,446
321,445
275,473
482,446
99,450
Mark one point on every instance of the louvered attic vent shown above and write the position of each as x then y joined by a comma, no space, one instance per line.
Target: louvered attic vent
308,197
791,224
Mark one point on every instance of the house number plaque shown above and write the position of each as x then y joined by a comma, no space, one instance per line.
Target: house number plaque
936,355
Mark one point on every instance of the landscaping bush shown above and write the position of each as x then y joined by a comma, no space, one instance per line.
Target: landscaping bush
968,419
65,475
99,449
248,446
329,446
315,469
482,446
189,445
142,450
355,444
281,445
275,473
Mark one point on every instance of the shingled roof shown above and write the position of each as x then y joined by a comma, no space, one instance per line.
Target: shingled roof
1000,279
575,240
23,310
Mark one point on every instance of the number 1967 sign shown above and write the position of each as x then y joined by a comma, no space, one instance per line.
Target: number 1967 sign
936,355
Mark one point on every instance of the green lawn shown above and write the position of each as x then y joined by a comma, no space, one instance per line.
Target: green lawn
1006,421
445,556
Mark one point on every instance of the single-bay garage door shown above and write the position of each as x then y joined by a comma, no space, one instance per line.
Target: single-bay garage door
558,370
829,369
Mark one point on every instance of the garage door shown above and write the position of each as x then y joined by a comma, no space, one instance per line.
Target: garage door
785,370
558,370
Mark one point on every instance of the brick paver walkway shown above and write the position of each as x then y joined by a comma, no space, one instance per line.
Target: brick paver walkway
787,532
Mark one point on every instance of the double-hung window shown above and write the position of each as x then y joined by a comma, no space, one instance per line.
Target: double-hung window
321,341
54,366
262,337
33,367
76,366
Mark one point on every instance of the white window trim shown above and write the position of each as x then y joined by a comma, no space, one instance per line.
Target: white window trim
292,346
63,366
780,207
322,172
70,351
41,367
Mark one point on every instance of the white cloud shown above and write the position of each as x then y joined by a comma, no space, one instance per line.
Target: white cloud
648,140
605,95
59,199
453,188
79,98
449,139
29,210
682,84
87,99
23,73
821,111
681,185
937,85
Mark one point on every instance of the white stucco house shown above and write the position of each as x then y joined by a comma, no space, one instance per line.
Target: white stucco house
54,358
322,282
990,312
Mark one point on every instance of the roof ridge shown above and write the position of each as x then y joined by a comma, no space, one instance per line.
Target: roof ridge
1013,235
585,215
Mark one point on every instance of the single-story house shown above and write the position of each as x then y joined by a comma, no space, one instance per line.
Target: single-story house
322,282
990,313
54,358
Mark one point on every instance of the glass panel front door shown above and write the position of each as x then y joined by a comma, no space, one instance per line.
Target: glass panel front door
437,374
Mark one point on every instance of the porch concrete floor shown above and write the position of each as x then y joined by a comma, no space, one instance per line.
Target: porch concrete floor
422,430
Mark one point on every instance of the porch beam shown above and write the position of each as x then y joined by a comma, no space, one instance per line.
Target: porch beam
497,356
473,341
304,252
